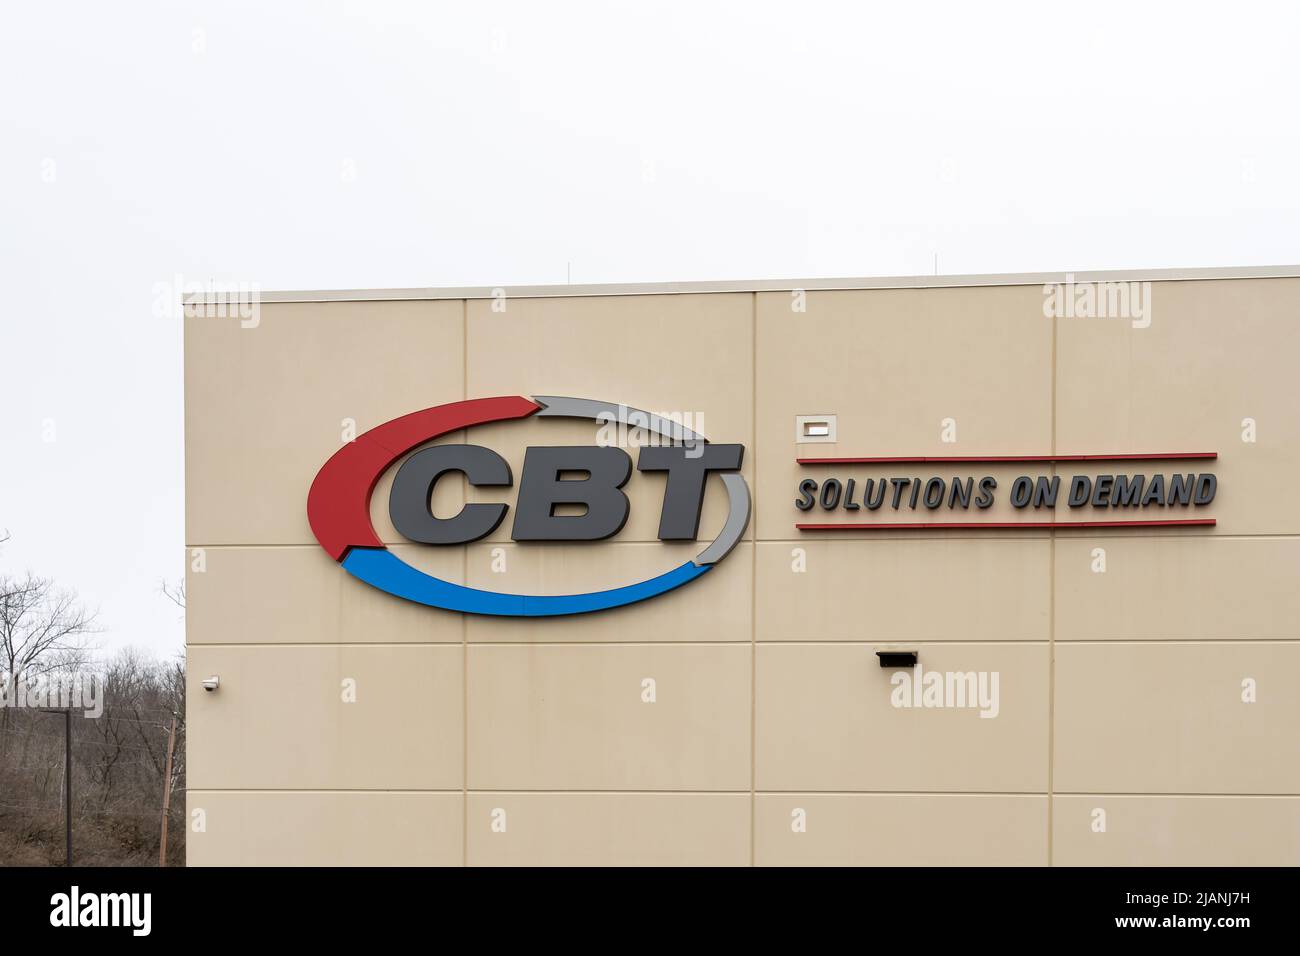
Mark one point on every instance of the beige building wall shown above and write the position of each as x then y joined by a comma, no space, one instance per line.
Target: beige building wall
1122,735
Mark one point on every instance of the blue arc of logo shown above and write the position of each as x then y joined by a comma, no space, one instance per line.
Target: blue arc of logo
384,570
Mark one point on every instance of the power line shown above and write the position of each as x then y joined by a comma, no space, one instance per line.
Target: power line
84,814
83,740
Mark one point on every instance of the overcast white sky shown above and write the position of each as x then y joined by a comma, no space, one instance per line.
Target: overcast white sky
371,144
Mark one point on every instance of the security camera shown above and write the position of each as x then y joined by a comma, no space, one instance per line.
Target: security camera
210,683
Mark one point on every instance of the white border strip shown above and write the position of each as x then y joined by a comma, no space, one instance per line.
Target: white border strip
777,285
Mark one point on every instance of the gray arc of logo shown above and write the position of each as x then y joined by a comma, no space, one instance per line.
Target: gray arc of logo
738,499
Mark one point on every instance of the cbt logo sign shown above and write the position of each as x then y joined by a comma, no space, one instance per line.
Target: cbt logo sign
338,505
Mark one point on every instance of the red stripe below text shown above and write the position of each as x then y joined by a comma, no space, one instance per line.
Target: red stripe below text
957,459
1005,525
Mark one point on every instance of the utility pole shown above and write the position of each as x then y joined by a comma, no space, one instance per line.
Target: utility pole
67,778
67,783
167,794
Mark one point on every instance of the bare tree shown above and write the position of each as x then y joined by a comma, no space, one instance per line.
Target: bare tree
42,628
120,779
174,592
